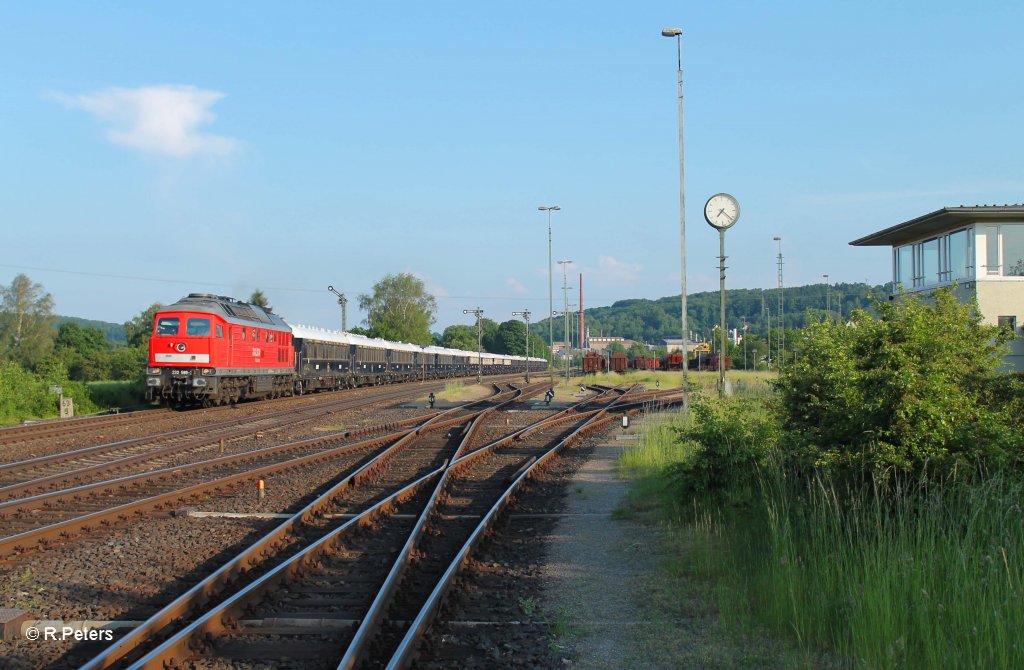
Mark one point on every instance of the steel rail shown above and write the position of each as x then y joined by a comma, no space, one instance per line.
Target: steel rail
368,626
49,427
75,478
121,483
22,541
178,644
375,614
246,561
33,463
211,623
406,648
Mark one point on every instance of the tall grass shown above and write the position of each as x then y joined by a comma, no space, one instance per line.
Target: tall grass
925,575
928,576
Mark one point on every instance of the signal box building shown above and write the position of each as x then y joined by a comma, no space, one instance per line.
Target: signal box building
980,249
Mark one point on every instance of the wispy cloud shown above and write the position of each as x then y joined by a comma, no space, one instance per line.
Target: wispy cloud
156,119
515,286
610,270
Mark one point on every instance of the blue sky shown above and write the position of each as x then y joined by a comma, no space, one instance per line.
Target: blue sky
221,147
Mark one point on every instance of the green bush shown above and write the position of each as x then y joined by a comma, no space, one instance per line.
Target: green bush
734,440
26,395
122,394
907,391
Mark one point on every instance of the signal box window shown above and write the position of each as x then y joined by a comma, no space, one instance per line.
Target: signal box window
198,327
167,326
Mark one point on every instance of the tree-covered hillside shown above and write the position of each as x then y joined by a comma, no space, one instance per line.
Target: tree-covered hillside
113,332
651,320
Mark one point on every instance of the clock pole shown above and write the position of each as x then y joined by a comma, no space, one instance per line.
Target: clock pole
721,330
721,212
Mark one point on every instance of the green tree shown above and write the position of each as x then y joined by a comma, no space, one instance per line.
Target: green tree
510,338
459,337
905,391
138,330
26,321
259,299
85,352
400,309
616,348
489,334
637,350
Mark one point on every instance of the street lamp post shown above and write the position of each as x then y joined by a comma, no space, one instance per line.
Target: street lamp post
678,34
551,301
479,343
782,311
565,315
526,315
828,298
343,301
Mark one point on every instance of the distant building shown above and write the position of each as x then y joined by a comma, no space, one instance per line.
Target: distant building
980,249
676,344
602,344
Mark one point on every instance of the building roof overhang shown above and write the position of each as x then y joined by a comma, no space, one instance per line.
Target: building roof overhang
939,221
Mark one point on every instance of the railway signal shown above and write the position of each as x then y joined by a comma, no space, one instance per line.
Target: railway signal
526,315
479,343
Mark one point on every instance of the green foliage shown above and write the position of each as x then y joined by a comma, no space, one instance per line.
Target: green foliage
616,348
904,391
510,338
459,337
25,395
138,330
637,350
259,299
917,577
122,394
400,309
26,322
113,332
734,440
88,356
651,320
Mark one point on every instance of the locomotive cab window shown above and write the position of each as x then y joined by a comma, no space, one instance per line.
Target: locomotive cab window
220,330
198,327
167,326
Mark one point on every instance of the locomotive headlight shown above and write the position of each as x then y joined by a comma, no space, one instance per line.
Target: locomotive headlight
152,371
209,371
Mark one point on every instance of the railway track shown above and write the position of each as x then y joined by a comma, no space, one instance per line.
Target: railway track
327,580
33,476
51,428
37,521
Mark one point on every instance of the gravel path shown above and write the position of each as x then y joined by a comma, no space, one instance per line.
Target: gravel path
595,568
616,588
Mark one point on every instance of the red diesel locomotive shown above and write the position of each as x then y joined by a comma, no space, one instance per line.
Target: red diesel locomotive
222,347
214,350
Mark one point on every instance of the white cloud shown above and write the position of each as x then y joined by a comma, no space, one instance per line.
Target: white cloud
515,286
156,119
612,271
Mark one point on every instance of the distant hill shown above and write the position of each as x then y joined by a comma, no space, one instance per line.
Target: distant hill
114,332
651,320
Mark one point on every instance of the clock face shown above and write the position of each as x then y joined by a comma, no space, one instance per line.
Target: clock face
722,211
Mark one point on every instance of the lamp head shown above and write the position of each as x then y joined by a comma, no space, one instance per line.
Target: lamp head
672,32
330,288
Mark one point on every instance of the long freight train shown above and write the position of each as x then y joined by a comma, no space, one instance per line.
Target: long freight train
213,350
